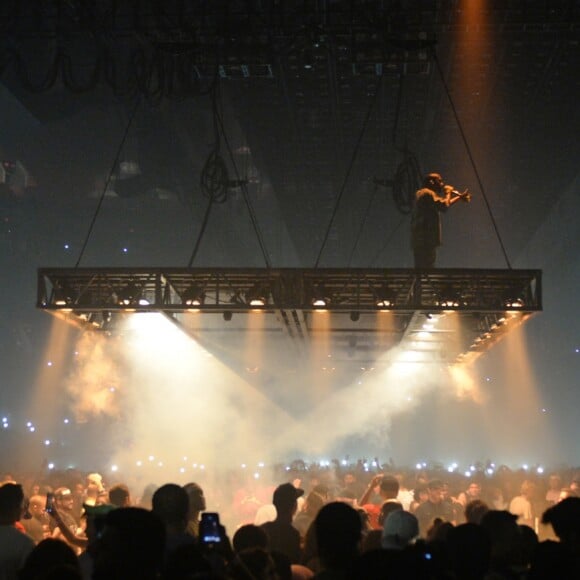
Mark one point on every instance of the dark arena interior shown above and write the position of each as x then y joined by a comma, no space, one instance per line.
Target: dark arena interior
208,224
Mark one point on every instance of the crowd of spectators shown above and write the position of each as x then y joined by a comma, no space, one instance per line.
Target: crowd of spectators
363,520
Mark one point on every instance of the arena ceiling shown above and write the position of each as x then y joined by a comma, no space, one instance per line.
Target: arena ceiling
327,110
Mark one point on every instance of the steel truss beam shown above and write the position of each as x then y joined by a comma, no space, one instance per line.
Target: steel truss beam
232,289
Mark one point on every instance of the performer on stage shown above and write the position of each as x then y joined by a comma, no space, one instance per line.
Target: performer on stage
432,198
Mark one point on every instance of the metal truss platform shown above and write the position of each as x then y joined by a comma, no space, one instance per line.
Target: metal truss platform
357,317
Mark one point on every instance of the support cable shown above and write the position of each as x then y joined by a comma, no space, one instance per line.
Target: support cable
215,182
362,225
351,165
201,232
388,241
245,193
108,181
470,155
407,179
214,175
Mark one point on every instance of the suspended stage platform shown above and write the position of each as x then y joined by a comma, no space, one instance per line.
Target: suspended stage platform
355,318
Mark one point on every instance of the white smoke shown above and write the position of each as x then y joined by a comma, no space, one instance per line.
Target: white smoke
178,407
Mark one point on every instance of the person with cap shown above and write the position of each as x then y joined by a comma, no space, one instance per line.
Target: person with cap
63,505
283,536
434,507
432,199
400,529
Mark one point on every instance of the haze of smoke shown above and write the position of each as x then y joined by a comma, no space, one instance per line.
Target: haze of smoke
183,402
94,381
180,406
465,383
365,408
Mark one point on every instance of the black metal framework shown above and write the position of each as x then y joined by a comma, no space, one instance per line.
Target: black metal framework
170,290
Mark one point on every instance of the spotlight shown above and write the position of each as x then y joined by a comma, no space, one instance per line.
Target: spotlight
354,316
449,298
514,303
62,295
512,299
320,298
129,295
193,295
257,296
384,296
227,316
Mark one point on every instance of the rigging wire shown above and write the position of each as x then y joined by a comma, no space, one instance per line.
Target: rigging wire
362,225
388,241
245,193
407,177
404,184
201,232
470,155
108,181
214,175
215,182
347,175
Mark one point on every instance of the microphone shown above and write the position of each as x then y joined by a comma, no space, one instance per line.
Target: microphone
452,192
465,196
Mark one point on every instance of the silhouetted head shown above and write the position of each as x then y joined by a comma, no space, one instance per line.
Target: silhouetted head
338,531
433,181
250,536
171,504
196,497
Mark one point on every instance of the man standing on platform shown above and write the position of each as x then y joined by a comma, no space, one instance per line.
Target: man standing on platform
434,197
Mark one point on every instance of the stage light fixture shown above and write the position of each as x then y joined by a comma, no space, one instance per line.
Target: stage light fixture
384,297
227,315
62,295
513,299
355,316
514,303
257,296
130,295
449,298
320,299
193,295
